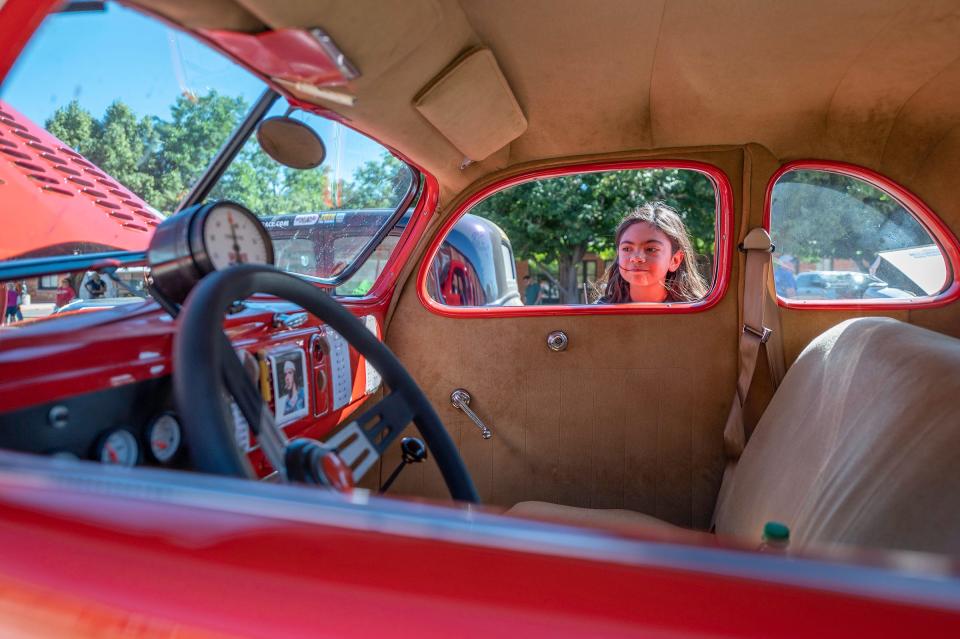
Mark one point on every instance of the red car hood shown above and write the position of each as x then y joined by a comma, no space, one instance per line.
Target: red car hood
55,201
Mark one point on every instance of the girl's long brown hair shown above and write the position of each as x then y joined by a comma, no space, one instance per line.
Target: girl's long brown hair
686,284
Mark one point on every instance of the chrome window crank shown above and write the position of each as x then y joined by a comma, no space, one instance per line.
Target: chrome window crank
460,398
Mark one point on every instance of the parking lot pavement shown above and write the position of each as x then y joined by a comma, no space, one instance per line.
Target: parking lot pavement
36,310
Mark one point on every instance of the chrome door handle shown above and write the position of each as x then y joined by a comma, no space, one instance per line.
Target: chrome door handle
460,398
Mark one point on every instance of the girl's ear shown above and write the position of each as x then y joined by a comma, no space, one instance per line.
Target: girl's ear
676,261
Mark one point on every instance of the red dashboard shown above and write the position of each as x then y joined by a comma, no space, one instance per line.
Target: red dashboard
73,367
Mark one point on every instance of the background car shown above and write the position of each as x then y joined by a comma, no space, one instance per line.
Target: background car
839,285
474,266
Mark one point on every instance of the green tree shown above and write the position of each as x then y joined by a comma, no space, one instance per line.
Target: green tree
557,221
819,215
267,187
377,184
305,191
123,149
157,159
197,128
75,127
253,179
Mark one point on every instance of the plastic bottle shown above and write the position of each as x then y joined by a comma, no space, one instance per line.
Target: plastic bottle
776,537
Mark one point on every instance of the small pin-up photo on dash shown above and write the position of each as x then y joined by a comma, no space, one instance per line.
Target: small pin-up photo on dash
290,393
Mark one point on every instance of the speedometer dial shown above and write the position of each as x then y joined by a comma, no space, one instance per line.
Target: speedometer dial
233,236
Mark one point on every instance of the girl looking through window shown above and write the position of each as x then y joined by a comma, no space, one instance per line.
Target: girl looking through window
655,260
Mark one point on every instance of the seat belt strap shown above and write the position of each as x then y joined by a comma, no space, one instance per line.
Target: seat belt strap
774,346
755,333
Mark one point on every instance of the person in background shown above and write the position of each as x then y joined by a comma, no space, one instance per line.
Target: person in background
13,304
96,287
533,293
23,297
65,293
783,277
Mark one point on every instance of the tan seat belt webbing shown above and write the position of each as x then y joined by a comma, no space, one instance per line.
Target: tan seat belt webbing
757,247
774,346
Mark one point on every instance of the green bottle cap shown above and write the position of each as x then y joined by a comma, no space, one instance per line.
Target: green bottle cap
775,531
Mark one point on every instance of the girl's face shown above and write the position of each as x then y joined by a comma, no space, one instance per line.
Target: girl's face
645,255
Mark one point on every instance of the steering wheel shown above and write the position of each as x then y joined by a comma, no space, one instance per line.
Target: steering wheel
206,369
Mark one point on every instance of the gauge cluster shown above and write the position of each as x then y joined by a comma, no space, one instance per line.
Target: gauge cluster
129,425
203,239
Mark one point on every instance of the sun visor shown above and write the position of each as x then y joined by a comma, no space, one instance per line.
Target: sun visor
472,105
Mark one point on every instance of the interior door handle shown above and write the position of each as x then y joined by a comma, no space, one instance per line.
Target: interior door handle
460,398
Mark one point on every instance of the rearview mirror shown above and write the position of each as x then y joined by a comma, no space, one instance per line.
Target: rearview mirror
291,143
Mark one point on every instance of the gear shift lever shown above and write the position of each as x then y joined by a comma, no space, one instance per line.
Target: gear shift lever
413,451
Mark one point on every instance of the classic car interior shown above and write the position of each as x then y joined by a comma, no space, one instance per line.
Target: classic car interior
628,425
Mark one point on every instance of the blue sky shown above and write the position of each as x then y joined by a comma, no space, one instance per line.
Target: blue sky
99,57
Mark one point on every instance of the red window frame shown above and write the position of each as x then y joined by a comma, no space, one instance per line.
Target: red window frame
938,230
722,262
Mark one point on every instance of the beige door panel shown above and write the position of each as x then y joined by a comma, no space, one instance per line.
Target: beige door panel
629,416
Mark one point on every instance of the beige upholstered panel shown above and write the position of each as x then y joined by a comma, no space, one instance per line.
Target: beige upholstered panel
630,416
606,517
472,105
859,445
800,326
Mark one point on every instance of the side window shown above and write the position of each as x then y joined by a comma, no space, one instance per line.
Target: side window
614,237
840,238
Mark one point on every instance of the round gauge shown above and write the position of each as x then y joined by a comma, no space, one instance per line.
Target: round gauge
165,436
203,239
119,447
233,235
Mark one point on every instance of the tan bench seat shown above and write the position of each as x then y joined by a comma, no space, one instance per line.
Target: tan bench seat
860,445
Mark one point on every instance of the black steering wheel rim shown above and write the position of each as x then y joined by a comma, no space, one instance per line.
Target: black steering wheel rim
198,359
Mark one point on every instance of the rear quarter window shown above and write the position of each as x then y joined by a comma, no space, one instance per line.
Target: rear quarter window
847,237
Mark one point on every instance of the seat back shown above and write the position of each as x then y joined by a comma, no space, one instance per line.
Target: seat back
860,444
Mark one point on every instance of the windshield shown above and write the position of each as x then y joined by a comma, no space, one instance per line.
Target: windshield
324,220
110,117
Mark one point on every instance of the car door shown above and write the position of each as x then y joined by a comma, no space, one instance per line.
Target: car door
629,415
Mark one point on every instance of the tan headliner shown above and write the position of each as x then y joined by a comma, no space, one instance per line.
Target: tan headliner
873,82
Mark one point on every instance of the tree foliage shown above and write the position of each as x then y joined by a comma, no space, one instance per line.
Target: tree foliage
159,159
377,184
557,221
819,215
